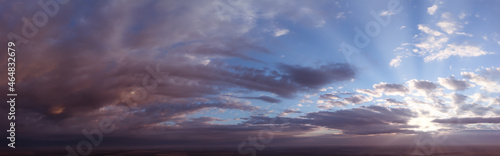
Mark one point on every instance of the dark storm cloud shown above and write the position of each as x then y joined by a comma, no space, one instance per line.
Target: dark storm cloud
471,120
265,98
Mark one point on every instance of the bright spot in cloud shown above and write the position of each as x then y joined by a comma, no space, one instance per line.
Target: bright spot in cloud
424,124
56,110
281,32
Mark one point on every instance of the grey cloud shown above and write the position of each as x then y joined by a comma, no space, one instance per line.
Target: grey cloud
359,121
458,99
454,84
317,77
475,108
332,103
423,85
391,89
357,99
265,98
394,101
329,96
369,92
364,120
471,120
291,111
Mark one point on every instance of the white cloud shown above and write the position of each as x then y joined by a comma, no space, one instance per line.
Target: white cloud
488,80
447,24
396,61
498,42
457,50
386,13
428,30
464,34
485,38
433,42
402,27
331,103
281,32
431,10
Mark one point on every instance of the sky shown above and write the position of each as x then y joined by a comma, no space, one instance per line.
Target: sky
288,73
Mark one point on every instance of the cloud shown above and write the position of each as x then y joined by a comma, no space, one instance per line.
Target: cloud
391,89
358,99
458,99
317,77
395,102
291,111
487,79
386,13
329,96
93,53
434,45
364,120
281,32
422,85
472,120
454,84
369,92
475,108
447,24
265,98
462,15
340,15
457,50
396,61
434,41
431,10
288,111
331,104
